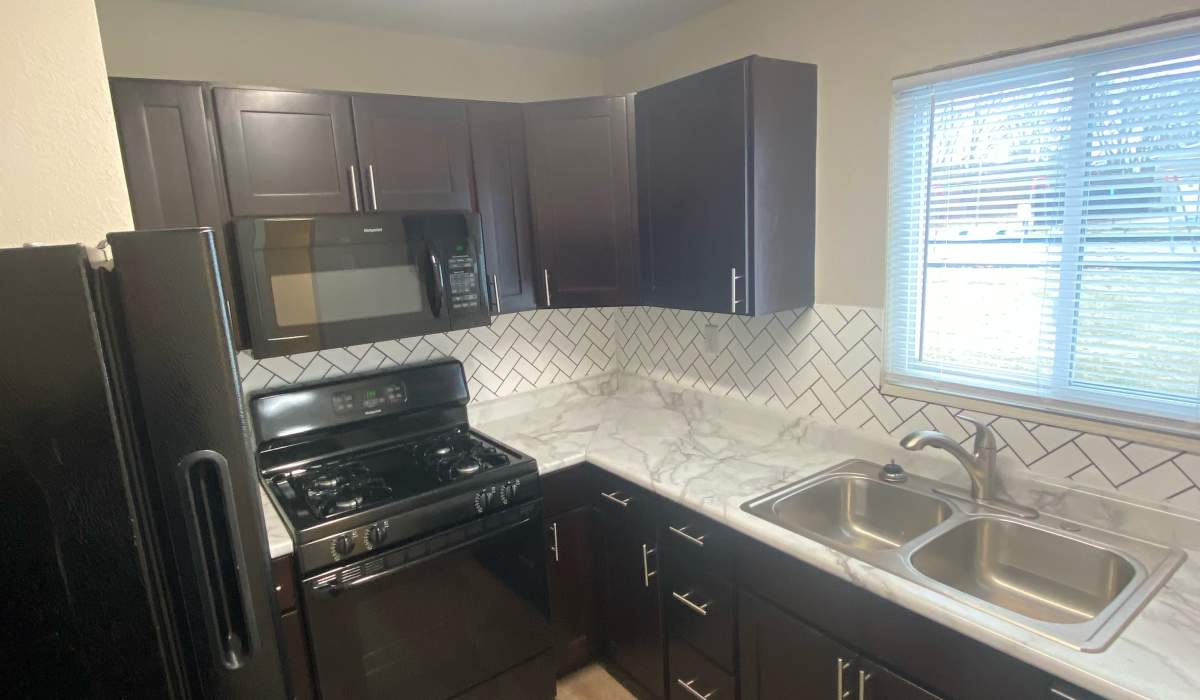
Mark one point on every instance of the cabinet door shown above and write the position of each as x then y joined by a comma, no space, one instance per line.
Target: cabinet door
574,589
169,163
171,166
414,152
579,176
692,190
874,683
631,603
783,659
287,152
502,189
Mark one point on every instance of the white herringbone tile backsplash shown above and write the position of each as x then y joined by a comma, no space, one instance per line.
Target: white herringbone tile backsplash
822,362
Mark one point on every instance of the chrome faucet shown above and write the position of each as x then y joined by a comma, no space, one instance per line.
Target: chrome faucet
980,464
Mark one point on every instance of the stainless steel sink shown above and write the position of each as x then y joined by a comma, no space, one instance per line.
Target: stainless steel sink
858,512
1067,581
1041,575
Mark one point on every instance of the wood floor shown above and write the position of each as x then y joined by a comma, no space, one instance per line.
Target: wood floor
591,683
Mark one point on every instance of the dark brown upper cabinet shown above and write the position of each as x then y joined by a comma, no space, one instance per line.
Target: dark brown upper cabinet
287,152
171,166
502,192
413,151
726,163
583,210
169,157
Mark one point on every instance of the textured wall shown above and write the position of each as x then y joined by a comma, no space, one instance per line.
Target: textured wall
822,362
61,178
859,46
192,42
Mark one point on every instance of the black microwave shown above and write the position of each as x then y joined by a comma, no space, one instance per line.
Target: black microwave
311,283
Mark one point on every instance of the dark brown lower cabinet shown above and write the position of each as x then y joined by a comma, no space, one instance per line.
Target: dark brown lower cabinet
296,652
784,659
872,682
574,593
632,606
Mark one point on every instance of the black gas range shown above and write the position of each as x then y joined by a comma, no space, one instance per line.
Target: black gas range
419,540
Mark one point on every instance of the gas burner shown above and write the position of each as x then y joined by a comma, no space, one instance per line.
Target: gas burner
342,488
459,454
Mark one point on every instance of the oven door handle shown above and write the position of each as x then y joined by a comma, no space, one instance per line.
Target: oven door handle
334,588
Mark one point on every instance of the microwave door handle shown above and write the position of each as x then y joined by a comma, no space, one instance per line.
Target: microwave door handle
439,285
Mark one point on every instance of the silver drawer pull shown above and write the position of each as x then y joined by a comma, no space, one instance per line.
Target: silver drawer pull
615,498
682,532
554,531
863,677
687,685
701,609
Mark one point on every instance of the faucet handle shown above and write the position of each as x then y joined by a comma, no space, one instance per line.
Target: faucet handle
985,439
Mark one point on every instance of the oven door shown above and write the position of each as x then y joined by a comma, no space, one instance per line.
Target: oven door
333,281
437,617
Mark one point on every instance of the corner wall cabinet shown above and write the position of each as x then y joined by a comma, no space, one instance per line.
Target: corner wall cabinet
583,208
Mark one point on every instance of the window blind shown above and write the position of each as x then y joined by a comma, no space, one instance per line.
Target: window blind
1044,236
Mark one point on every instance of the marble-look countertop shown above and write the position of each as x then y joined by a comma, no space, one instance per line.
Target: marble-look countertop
713,454
279,540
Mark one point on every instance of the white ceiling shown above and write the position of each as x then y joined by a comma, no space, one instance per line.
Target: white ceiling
579,26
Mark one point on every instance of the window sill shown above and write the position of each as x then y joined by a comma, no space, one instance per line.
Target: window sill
1121,431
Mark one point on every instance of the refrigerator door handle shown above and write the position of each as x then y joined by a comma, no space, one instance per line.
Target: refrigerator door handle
213,532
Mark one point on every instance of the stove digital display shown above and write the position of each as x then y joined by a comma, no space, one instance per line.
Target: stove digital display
369,400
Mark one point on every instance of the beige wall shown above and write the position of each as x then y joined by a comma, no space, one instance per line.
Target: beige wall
859,45
170,40
61,178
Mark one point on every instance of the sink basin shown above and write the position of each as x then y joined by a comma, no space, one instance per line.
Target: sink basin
1030,571
1075,584
859,513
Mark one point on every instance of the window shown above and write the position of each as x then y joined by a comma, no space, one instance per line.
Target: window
1044,244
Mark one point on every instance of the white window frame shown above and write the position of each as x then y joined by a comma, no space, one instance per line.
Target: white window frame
1063,407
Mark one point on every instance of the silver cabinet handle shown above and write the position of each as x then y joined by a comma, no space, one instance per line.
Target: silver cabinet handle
1061,694
371,181
623,502
496,293
354,188
733,300
842,665
682,532
647,550
863,677
554,532
687,685
701,609
546,282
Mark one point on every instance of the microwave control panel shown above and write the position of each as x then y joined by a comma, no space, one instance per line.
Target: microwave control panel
464,282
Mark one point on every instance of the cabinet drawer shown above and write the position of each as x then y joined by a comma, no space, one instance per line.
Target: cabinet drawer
694,677
699,610
693,538
284,578
627,503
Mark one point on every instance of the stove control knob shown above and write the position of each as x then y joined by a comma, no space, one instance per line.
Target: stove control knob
344,544
377,534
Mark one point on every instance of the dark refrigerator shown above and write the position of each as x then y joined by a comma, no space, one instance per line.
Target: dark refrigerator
136,560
